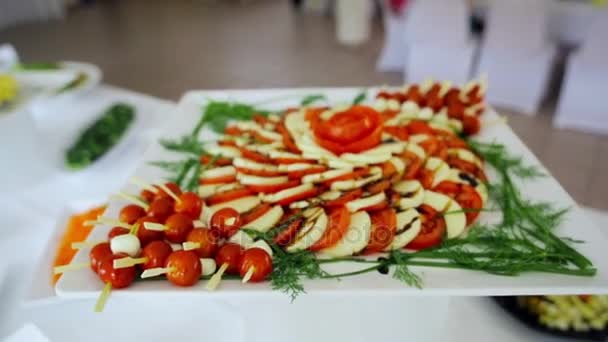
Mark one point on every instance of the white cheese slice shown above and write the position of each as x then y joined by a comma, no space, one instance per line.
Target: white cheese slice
445,87
257,180
312,230
456,220
392,147
299,205
426,85
261,244
242,239
354,240
323,176
296,167
327,114
126,243
425,114
366,158
284,194
398,164
412,193
392,105
380,104
441,170
283,154
224,151
253,126
251,165
351,184
330,195
364,202
410,218
208,266
416,149
410,108
266,221
222,171
465,155
208,190
241,205
418,138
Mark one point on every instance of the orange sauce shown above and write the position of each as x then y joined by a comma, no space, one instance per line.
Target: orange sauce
75,231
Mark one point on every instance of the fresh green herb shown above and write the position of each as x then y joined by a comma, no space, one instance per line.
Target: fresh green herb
362,96
100,137
217,114
80,79
402,271
310,99
290,268
186,144
38,66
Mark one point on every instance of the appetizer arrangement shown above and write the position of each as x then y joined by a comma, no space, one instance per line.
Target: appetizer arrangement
99,138
386,185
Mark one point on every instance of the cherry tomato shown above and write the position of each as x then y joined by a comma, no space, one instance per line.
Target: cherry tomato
156,252
471,124
118,277
339,220
218,180
384,226
259,260
131,213
207,240
171,186
226,221
255,213
116,231
433,229
145,236
161,208
147,195
269,189
185,268
228,196
229,253
100,252
345,198
288,234
178,227
189,204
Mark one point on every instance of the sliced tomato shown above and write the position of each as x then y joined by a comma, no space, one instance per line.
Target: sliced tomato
378,186
260,137
430,145
255,213
456,110
218,180
259,173
384,226
379,206
351,175
288,234
412,166
269,189
414,94
261,119
228,196
432,232
471,124
399,132
426,178
467,167
345,198
354,130
339,220
227,143
419,127
221,161
255,156
298,197
455,142
301,173
388,170
287,161
465,195
233,130
388,114
290,145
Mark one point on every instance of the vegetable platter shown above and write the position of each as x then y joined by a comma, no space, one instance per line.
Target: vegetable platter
417,190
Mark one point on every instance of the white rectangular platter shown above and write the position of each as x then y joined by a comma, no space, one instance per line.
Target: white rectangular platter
436,281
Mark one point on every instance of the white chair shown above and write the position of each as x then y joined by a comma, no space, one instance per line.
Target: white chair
439,41
516,54
582,103
394,52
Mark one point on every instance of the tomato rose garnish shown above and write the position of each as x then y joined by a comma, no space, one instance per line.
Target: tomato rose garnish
356,129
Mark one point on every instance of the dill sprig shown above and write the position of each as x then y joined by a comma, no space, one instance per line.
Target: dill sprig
290,268
362,96
186,144
310,99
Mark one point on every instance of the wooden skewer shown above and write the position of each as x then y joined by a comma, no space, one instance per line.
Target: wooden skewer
155,226
154,272
134,229
188,245
103,298
248,274
143,184
109,221
71,267
132,199
215,280
169,192
129,262
85,244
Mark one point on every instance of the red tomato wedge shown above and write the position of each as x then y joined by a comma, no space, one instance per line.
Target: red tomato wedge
261,119
206,159
233,130
465,195
339,220
345,198
255,213
351,175
412,166
287,140
378,187
285,237
426,177
218,180
432,232
259,173
419,127
228,196
258,157
301,173
231,143
288,161
273,188
471,124
356,129
384,226
399,132
379,206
